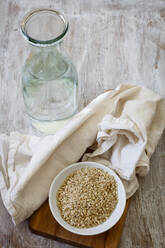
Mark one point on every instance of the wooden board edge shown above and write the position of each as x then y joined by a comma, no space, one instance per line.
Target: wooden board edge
118,228
48,236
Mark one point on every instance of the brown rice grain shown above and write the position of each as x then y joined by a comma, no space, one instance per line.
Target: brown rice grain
87,197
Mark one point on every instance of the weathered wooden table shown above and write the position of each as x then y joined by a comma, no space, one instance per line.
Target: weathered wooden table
110,42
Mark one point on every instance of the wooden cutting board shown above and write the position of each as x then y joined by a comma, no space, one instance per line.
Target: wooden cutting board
43,223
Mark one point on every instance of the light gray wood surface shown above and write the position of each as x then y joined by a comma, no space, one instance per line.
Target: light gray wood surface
110,42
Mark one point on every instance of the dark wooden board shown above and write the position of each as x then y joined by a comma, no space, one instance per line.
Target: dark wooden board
43,223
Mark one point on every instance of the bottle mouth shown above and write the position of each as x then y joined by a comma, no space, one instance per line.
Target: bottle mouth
44,27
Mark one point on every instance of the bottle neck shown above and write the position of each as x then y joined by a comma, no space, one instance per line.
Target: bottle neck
46,49
46,62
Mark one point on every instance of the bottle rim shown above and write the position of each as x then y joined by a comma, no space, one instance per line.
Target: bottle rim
43,43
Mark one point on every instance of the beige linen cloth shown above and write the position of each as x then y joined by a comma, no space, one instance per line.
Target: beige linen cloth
122,126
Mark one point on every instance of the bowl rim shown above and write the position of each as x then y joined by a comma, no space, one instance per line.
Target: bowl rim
117,213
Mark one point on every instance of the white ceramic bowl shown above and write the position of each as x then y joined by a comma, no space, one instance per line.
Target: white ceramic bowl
110,222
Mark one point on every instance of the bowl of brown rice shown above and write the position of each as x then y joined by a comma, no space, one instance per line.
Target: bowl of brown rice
87,198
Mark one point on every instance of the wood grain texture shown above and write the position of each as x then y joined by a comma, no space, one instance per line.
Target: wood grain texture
110,42
43,223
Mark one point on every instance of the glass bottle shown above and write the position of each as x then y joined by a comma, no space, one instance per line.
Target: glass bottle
49,79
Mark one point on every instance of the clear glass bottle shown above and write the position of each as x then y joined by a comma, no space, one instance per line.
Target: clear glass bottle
50,83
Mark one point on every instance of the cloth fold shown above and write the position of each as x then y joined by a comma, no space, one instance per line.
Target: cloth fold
122,142
122,128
